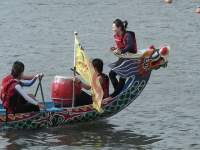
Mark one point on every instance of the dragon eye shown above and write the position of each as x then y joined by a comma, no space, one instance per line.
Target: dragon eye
155,56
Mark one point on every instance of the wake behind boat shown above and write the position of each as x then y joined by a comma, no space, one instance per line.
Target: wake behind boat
136,69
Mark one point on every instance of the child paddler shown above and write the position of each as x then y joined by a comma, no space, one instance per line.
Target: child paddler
13,96
83,98
125,42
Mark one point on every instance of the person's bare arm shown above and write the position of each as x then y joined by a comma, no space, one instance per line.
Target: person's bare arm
28,77
113,48
100,80
83,85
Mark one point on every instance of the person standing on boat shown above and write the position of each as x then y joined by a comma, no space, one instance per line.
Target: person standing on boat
83,98
125,42
14,98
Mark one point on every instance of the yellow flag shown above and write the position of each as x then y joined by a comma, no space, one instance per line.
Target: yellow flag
85,68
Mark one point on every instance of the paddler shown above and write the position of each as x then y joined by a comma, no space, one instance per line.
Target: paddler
125,42
83,98
13,96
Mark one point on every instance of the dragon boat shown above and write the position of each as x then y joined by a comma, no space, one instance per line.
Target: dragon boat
137,69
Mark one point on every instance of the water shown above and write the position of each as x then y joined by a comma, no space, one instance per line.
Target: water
165,116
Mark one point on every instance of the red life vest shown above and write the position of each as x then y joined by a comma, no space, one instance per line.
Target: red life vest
121,41
105,84
8,91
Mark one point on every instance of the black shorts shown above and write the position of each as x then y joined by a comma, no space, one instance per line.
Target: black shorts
20,105
80,100
83,99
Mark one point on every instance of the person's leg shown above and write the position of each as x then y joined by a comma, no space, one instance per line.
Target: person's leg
121,84
16,102
20,105
83,99
24,108
28,107
119,88
113,79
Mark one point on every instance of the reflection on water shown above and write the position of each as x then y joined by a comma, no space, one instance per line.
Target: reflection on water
96,135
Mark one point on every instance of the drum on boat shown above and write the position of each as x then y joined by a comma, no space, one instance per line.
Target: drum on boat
62,91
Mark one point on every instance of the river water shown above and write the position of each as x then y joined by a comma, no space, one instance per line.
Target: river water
165,116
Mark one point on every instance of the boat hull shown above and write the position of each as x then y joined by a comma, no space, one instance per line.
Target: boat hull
57,117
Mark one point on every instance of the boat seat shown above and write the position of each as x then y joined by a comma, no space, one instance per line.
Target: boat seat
2,111
53,109
49,108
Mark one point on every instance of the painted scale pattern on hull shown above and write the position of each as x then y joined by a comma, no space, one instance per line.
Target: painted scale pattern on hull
133,88
138,74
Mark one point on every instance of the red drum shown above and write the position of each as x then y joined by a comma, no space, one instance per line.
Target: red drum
62,91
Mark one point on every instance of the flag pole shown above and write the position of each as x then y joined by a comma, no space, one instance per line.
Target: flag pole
74,70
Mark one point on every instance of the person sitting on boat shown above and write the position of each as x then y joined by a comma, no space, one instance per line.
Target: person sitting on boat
83,98
125,42
14,98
